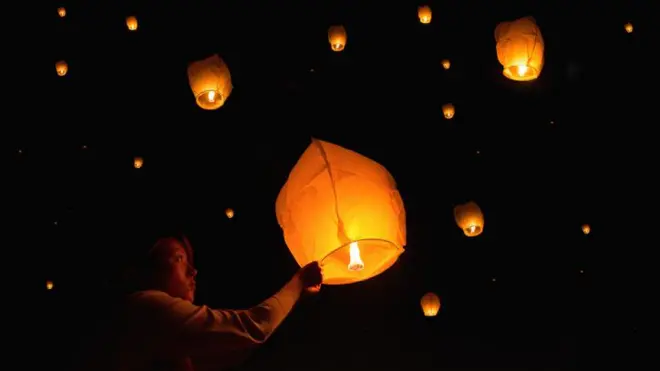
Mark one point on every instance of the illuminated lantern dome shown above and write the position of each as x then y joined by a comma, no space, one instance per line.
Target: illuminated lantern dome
132,23
586,229
430,304
343,210
230,213
629,27
446,64
469,218
448,111
138,162
337,38
520,49
210,82
61,68
424,13
61,12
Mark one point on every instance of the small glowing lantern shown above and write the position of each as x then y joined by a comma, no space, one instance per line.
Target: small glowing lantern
520,49
62,68
230,213
343,210
424,13
448,111
132,23
337,37
61,12
629,27
469,218
138,162
49,285
430,304
446,64
210,82
586,229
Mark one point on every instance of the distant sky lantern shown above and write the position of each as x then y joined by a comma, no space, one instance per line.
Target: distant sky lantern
138,162
344,210
132,23
520,49
430,304
469,218
448,111
586,229
229,212
61,12
49,285
210,82
629,27
337,38
61,68
424,13
446,64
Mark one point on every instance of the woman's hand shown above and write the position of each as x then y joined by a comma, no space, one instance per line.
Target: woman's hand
311,276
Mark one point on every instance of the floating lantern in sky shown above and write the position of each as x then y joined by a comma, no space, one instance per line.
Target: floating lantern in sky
520,49
229,212
629,27
210,82
131,23
469,218
343,210
430,304
61,12
446,64
586,229
49,285
61,68
138,162
424,13
448,111
337,38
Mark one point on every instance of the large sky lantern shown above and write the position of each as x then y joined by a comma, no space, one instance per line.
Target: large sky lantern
343,210
469,218
424,13
520,49
430,304
131,23
61,68
210,82
337,38
61,11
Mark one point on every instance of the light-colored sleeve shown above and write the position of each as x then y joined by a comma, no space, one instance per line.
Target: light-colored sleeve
201,331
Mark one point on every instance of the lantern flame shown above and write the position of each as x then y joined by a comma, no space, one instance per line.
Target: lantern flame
472,228
356,263
522,70
212,96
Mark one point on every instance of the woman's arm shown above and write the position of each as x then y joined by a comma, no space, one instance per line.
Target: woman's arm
200,331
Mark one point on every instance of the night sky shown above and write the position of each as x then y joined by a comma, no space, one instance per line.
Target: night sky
531,154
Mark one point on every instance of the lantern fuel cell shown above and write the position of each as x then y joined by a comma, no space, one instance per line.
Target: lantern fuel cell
343,210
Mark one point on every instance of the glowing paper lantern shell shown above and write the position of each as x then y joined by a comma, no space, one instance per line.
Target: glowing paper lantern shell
210,82
469,218
333,198
424,13
337,38
520,49
586,229
131,23
430,304
61,68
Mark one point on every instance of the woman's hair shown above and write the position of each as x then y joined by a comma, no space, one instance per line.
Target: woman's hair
142,267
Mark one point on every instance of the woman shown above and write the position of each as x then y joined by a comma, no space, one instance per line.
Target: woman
159,327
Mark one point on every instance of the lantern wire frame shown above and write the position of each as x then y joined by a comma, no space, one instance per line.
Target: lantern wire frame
377,254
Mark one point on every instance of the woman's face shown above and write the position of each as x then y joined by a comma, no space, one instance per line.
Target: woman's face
176,276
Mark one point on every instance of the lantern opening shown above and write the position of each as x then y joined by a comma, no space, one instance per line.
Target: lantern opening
359,260
337,47
521,72
210,99
472,230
